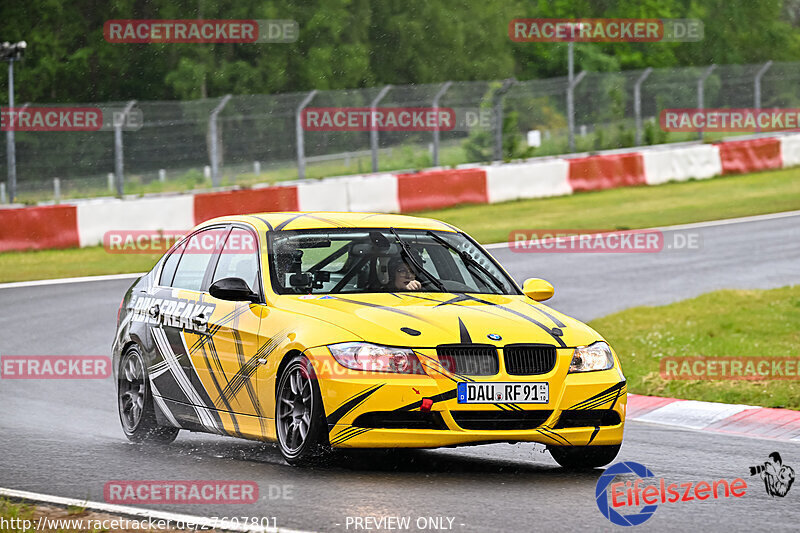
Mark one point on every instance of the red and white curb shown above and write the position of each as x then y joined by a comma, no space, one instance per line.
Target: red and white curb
200,522
733,419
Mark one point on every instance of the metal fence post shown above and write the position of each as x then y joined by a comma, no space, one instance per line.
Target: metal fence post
2,192
301,147
118,155
10,147
497,106
757,83
436,128
212,131
700,83
637,103
571,84
373,132
57,190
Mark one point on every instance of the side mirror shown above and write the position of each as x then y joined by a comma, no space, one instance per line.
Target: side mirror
233,289
537,289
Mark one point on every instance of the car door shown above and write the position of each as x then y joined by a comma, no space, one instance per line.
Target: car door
182,312
229,357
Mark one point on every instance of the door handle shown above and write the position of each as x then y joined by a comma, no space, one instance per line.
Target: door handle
154,311
200,320
262,361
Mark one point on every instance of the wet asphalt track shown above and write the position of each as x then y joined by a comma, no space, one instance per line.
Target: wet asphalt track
62,437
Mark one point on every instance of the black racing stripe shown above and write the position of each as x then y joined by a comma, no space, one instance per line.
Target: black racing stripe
449,395
176,344
553,435
242,377
594,434
333,223
555,320
288,221
249,387
411,295
343,433
549,331
175,340
265,221
168,387
211,347
608,392
350,404
464,333
214,328
360,431
466,297
377,306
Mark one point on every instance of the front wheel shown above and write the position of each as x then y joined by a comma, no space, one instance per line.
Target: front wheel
135,402
584,457
299,414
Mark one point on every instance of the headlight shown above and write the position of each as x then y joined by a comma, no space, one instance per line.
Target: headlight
596,356
376,358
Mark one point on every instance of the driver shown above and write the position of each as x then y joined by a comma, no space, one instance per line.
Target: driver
401,277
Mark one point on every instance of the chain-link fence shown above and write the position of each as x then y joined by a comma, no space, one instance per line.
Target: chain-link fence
243,140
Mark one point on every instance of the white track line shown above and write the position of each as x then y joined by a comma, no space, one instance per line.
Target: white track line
223,525
60,281
677,227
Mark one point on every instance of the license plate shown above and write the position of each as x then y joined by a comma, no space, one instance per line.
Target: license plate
504,392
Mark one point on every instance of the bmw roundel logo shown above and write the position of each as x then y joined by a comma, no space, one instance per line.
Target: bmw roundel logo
494,336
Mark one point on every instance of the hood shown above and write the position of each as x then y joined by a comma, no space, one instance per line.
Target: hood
421,320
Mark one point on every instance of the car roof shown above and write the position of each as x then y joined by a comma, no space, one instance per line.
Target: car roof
296,220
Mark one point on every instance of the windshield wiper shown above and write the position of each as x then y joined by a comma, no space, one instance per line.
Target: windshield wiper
469,260
410,256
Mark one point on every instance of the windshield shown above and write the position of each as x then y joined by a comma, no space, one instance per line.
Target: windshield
346,261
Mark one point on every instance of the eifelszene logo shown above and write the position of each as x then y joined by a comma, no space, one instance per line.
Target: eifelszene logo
631,495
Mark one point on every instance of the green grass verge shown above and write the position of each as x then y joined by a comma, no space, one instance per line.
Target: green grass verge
735,323
74,262
625,208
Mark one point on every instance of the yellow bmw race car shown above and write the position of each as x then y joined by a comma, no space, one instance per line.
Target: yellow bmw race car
354,330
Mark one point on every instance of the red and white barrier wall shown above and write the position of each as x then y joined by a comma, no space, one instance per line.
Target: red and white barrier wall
83,223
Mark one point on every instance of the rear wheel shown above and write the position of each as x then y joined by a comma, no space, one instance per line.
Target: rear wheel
299,415
584,457
135,402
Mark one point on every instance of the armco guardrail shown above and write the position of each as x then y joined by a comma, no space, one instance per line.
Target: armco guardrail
84,223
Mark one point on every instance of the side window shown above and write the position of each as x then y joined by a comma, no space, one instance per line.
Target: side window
170,265
194,260
239,258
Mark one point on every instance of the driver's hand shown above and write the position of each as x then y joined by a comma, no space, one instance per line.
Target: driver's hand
414,285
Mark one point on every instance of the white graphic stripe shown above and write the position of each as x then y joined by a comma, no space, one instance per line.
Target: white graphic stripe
183,381
162,405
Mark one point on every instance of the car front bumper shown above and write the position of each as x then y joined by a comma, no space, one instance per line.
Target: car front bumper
385,410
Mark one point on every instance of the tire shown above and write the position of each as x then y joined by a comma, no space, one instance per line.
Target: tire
584,457
299,415
135,402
